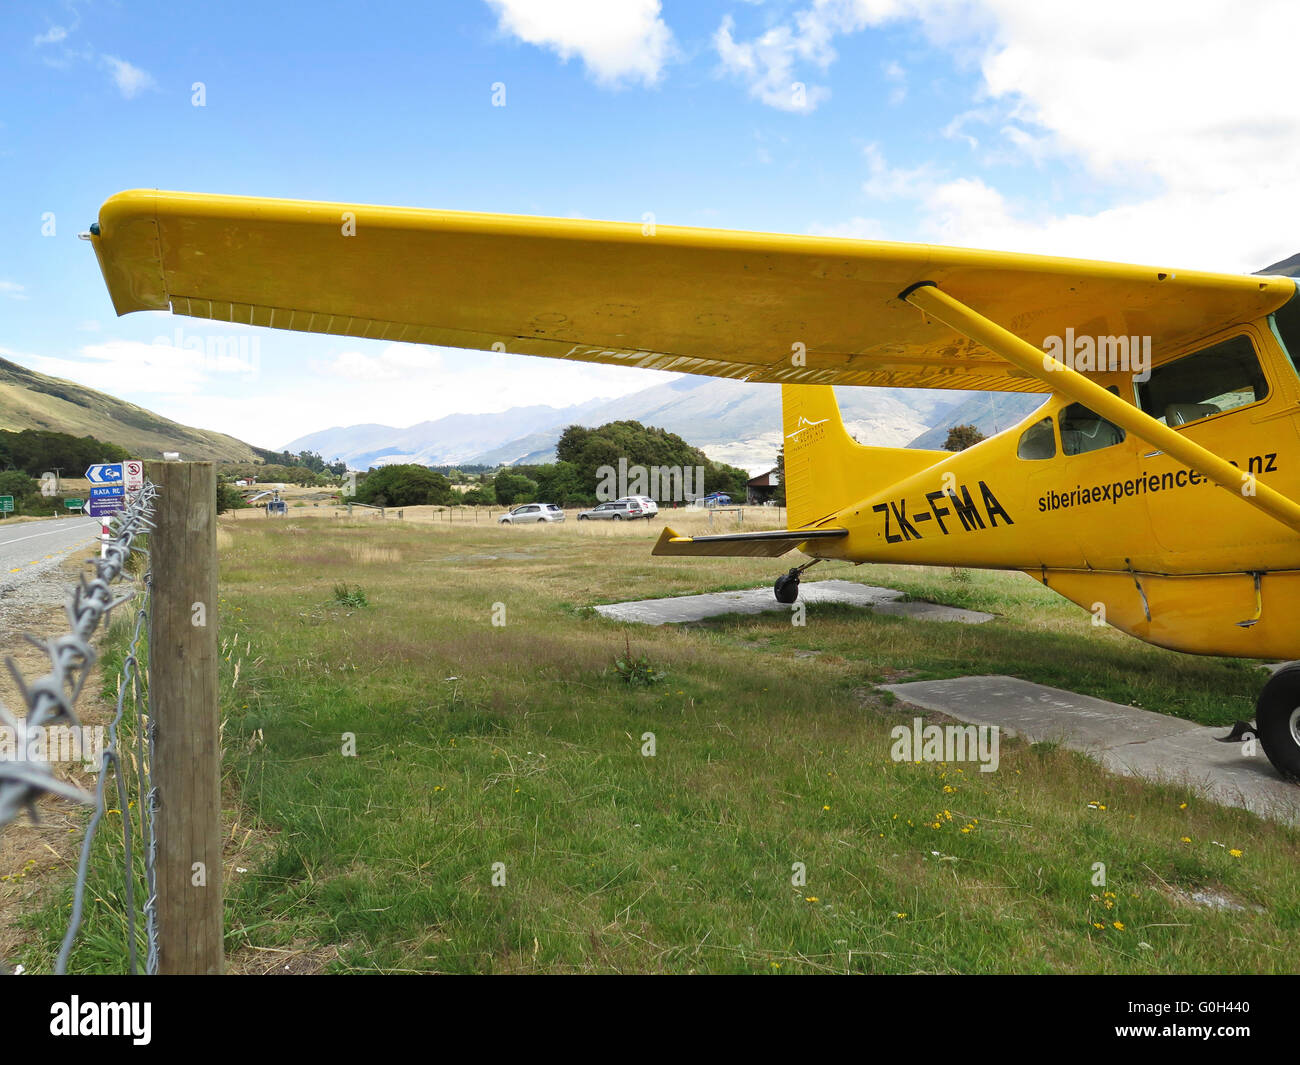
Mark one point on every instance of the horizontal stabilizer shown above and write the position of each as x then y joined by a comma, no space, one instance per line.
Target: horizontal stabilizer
741,545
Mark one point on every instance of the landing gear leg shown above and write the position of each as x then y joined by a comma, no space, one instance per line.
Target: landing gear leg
786,587
1277,714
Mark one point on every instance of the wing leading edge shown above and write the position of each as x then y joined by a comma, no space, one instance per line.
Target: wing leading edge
751,306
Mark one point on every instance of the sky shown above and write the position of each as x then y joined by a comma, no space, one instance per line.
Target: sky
1163,133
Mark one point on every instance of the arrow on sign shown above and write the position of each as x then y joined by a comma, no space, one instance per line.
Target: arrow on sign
105,473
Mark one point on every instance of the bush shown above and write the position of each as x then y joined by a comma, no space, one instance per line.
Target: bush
404,485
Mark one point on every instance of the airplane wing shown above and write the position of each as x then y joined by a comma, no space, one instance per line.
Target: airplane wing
750,306
740,545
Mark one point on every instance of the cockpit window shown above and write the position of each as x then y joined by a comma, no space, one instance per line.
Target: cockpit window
1038,441
1082,430
1218,378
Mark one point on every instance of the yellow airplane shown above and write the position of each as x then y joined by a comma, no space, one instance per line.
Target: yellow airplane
1156,486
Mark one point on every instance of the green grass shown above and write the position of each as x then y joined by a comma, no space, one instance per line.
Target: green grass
484,746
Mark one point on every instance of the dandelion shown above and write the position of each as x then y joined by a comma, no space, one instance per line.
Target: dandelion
825,807
1235,853
1098,924
900,916
1186,839
811,898
1118,926
1182,806
948,789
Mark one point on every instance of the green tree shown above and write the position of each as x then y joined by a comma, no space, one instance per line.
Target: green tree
19,485
561,483
404,485
514,488
960,437
228,497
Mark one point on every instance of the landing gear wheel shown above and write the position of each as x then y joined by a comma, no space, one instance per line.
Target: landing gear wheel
1277,714
786,587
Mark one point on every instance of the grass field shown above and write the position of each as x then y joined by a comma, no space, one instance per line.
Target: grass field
513,751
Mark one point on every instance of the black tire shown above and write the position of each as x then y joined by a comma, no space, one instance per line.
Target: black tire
1277,716
786,588
582,517
618,517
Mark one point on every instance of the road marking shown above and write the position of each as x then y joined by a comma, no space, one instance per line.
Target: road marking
51,532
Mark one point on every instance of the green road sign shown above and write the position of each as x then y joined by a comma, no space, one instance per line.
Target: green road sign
6,504
74,504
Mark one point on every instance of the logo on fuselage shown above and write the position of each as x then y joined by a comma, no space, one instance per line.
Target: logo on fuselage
804,426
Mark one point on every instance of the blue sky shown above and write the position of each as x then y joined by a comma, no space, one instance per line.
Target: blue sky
1157,133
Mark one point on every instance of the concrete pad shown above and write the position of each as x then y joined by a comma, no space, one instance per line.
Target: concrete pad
1124,739
757,600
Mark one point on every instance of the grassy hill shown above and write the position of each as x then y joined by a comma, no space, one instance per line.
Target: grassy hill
31,400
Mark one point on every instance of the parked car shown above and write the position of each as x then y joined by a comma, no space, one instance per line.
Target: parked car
619,510
717,499
532,512
648,505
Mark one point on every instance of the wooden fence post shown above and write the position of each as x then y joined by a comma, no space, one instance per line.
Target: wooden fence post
183,699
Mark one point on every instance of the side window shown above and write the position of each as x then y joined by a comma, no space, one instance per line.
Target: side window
1215,379
1083,431
1038,441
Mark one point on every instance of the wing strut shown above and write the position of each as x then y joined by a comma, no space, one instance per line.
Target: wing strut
933,301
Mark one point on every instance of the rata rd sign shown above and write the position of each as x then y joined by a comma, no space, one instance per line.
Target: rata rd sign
105,473
105,491
133,474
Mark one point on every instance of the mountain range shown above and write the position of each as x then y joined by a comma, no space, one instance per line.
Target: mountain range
731,421
31,400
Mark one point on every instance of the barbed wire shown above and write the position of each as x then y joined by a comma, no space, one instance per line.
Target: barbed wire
51,700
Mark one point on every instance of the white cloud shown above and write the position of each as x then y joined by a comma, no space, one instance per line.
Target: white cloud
54,35
767,64
1181,114
129,79
616,39
885,182
163,367
13,290
770,62
396,362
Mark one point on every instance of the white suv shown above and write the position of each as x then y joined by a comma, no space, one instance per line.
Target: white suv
649,508
532,512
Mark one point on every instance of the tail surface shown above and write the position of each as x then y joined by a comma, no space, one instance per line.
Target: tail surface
825,468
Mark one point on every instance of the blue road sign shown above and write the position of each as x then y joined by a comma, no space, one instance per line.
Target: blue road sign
104,473
105,491
101,507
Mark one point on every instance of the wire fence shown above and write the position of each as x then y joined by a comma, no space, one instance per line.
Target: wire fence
26,769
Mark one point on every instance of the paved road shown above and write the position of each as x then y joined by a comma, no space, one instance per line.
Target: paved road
31,546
